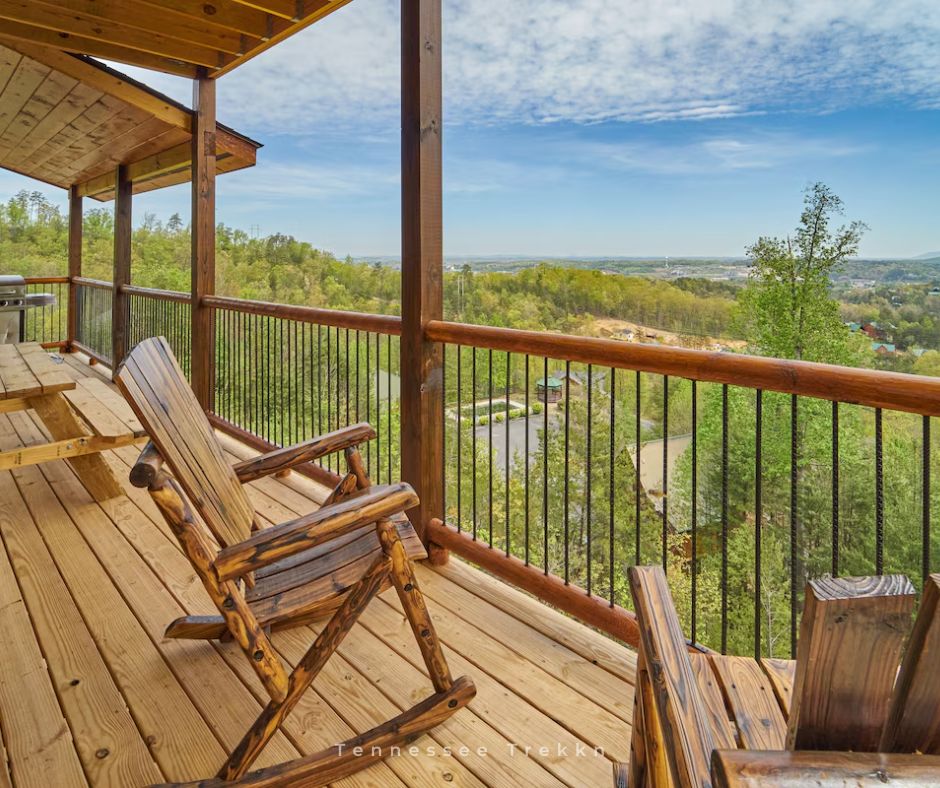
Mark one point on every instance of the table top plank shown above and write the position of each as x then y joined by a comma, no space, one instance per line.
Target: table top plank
51,375
18,380
26,370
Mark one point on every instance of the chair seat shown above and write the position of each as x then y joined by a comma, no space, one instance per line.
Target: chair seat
313,583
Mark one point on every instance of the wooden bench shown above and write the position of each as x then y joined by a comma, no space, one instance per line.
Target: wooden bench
80,419
847,711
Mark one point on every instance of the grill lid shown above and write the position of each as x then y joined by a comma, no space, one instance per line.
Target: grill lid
12,283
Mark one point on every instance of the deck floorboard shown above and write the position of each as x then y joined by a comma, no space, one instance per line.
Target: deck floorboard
91,693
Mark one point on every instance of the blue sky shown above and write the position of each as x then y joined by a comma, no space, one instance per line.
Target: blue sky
597,127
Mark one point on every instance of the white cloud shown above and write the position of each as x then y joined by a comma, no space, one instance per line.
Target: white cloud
279,182
585,61
707,154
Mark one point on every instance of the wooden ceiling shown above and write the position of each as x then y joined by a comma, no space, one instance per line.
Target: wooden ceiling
173,36
67,120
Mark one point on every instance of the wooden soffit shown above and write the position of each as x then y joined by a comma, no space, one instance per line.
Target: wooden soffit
68,120
173,36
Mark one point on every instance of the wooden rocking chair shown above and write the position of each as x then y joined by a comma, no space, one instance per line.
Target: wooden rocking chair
849,711
264,579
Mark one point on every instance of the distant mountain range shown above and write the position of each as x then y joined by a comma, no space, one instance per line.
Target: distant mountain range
928,256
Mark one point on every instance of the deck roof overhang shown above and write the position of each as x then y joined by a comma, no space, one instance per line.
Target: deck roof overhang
68,121
174,36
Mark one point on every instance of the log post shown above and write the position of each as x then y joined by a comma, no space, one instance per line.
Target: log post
75,262
203,238
123,196
422,257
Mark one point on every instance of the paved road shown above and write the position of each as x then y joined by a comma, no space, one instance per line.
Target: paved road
651,459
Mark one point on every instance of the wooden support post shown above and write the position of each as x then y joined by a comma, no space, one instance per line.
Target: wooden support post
123,196
422,369
203,238
75,262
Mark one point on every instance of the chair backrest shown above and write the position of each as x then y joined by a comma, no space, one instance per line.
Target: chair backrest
155,387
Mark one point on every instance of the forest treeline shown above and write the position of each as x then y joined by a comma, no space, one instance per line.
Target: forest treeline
281,269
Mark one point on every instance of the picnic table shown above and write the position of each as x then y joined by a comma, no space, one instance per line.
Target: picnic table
76,417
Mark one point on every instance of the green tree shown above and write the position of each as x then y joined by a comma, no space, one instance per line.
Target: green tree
787,309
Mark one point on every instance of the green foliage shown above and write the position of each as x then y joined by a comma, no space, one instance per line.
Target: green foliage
787,310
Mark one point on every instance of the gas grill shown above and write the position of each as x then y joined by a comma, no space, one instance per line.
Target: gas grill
14,301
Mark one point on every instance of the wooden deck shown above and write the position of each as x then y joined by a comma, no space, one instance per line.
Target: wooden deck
92,694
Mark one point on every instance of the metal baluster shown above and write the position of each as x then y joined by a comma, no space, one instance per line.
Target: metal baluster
835,489
694,503
758,518
459,430
489,477
665,470
506,463
794,519
545,468
473,423
566,498
389,376
588,475
879,494
610,492
526,526
925,505
638,486
724,518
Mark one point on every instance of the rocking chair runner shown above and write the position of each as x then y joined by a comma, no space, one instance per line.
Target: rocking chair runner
334,559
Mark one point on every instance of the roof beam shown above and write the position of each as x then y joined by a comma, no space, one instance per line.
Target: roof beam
153,20
176,158
286,9
107,81
313,10
57,20
16,31
231,16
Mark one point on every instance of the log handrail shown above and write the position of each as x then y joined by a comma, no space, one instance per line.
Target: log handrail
869,387
84,281
377,324
160,295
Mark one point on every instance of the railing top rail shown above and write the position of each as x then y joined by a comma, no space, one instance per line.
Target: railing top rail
46,280
873,388
378,324
160,295
84,281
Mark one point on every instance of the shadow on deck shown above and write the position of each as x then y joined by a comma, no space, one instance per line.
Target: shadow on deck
91,693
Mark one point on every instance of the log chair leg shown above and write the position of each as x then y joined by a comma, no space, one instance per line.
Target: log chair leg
344,488
412,600
329,639
342,760
637,766
356,466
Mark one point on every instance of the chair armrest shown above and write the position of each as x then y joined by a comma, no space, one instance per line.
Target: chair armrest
329,522
146,470
688,740
313,449
789,769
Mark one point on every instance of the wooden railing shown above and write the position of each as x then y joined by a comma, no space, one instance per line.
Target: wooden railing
286,373
742,475
47,324
696,460
94,319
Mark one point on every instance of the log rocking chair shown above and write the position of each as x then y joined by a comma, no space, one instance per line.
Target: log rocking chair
334,560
